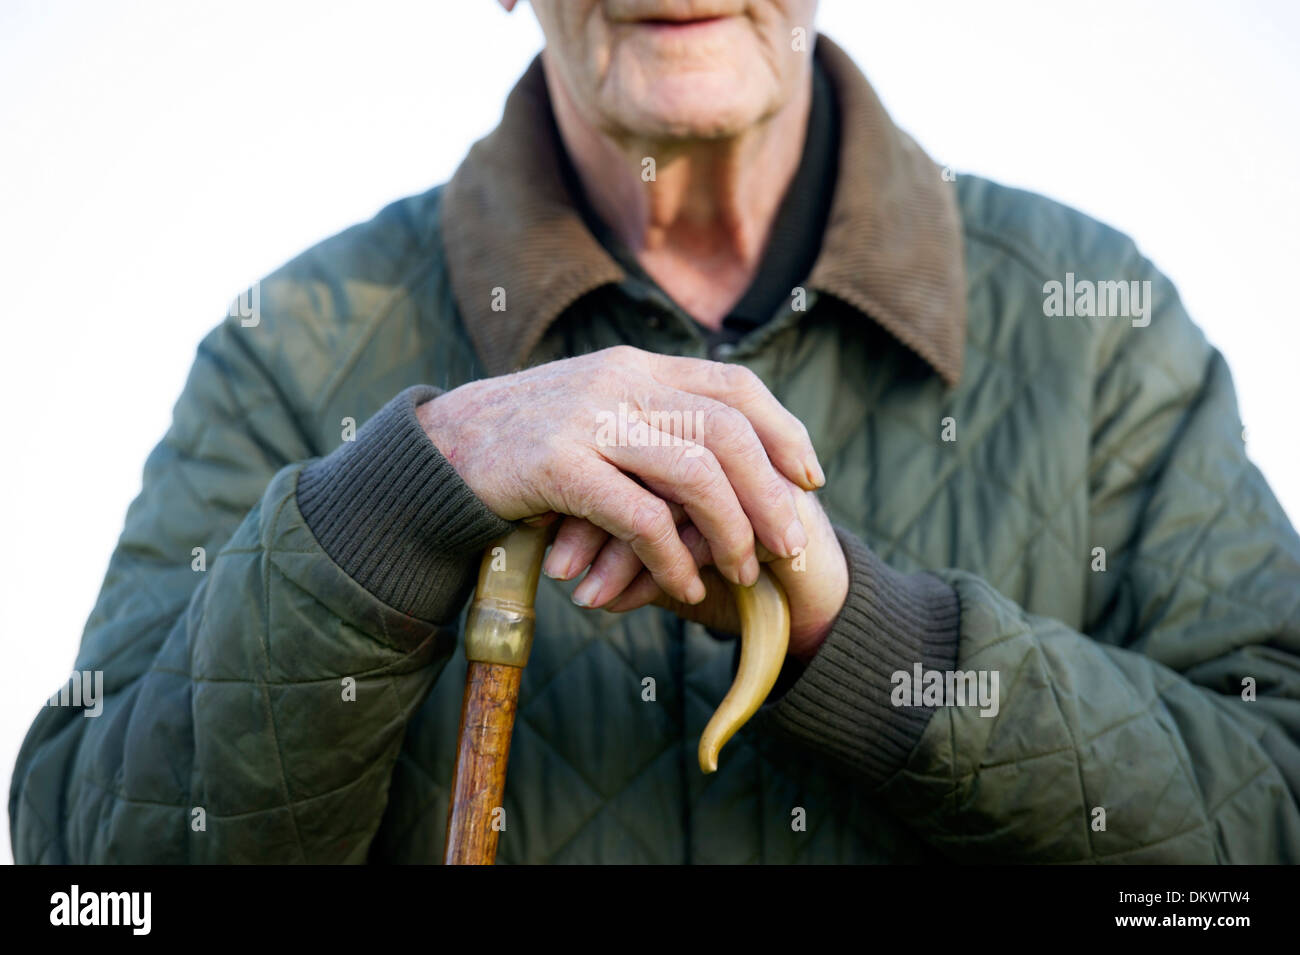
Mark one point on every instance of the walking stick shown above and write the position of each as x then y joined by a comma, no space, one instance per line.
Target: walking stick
498,638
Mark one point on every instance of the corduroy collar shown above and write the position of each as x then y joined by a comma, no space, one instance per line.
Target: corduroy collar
892,248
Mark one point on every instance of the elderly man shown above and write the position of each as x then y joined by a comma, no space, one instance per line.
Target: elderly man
973,432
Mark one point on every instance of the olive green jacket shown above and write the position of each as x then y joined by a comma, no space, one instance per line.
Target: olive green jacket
1043,487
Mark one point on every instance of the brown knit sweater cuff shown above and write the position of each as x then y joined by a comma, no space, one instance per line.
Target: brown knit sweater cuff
391,511
841,703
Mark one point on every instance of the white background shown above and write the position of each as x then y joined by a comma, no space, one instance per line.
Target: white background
157,157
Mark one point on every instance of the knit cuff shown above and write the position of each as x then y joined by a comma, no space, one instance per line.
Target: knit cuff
395,515
890,621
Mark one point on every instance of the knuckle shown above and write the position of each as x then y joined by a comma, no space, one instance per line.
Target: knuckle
651,523
622,354
698,474
734,434
774,498
740,380
719,375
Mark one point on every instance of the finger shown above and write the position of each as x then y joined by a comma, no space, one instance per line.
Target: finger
577,543
763,492
613,501
641,592
692,476
617,566
783,435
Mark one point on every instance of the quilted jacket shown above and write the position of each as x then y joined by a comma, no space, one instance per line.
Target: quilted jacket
1073,481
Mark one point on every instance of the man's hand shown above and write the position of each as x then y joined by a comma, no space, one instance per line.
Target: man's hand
533,442
816,580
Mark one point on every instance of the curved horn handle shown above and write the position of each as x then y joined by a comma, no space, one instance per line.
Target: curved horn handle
764,636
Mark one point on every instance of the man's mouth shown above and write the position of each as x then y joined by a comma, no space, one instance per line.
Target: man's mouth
683,27
661,24
683,22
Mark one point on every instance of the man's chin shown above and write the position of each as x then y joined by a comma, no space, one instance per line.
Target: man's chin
690,106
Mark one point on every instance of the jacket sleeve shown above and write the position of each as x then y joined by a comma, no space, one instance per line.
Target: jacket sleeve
268,623
1169,729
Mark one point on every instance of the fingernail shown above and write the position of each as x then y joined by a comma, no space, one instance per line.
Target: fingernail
557,562
749,573
586,591
695,591
794,538
812,467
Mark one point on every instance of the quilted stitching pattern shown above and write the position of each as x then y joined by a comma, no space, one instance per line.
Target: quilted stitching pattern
224,687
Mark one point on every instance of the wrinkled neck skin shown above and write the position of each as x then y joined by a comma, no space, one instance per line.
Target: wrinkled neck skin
700,226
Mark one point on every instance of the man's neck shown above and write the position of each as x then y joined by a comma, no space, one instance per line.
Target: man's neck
700,225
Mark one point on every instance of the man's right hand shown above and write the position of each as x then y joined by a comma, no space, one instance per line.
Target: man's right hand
531,442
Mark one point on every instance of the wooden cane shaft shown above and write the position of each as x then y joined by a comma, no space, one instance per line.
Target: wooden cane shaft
487,718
